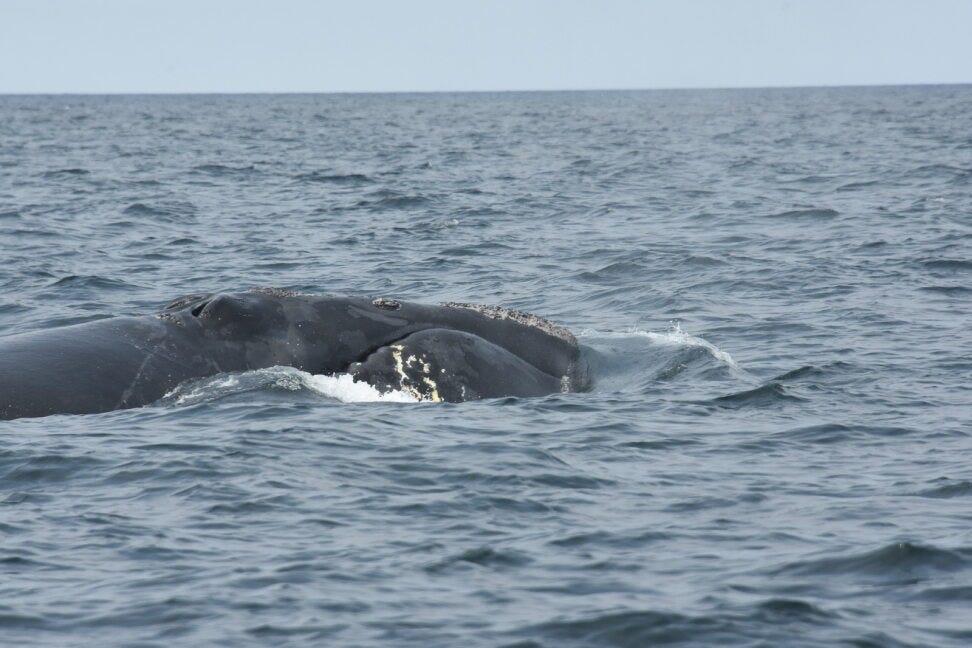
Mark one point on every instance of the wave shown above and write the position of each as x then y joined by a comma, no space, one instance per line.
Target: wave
855,186
340,387
62,173
814,371
959,593
387,201
951,265
433,227
485,557
888,562
931,171
224,169
640,359
838,432
611,272
91,281
948,291
767,395
47,469
181,212
476,249
807,213
948,490
677,337
334,178
767,622
674,337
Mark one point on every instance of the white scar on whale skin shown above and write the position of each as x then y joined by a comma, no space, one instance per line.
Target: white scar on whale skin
400,365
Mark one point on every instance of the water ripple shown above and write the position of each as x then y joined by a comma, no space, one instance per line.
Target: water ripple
770,287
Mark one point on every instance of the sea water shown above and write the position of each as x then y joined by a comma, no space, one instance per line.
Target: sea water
772,288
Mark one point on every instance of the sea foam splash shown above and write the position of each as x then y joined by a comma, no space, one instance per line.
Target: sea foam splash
675,336
341,387
344,388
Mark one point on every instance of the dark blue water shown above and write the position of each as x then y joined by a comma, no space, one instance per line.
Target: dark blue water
773,286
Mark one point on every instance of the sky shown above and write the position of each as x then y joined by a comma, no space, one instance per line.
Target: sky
157,46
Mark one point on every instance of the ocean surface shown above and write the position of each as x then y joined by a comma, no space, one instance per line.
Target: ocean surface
773,288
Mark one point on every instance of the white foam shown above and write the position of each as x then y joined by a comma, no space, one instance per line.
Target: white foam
187,393
676,336
340,387
344,388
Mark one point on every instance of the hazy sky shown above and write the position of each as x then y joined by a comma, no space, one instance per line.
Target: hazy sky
387,45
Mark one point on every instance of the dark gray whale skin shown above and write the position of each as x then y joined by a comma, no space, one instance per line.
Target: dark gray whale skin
125,362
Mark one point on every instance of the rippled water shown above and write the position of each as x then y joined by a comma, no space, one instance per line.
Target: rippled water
772,285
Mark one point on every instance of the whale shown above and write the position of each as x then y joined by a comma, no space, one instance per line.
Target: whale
450,352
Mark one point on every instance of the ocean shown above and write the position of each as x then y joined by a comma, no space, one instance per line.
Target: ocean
772,288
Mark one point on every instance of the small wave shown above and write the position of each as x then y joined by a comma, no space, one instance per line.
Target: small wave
636,628
13,621
812,179
646,361
394,202
930,171
183,240
434,226
604,539
701,261
763,396
334,178
854,186
700,504
91,281
341,387
611,273
483,557
765,623
838,432
948,291
948,490
477,249
223,169
35,232
814,371
677,337
175,211
890,561
808,213
959,593
46,469
141,209
622,360
770,622
794,609
950,265
62,173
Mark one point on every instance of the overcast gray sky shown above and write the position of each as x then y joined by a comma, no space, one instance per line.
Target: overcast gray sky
385,45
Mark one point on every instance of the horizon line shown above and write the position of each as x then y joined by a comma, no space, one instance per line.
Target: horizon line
478,91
